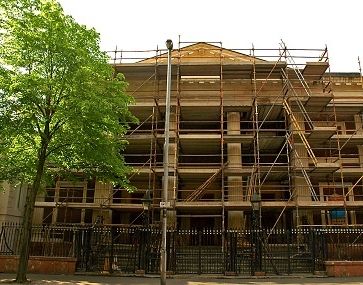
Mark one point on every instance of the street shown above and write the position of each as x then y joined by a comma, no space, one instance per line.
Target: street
97,280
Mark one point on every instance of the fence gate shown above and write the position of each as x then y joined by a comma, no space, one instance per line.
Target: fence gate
113,249
239,253
199,252
276,252
286,252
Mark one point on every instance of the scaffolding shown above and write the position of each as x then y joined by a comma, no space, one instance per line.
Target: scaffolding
276,122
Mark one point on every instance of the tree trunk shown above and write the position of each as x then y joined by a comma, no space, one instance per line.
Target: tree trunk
25,236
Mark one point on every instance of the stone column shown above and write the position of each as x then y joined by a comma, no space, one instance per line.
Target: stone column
299,125
84,200
358,124
56,200
301,191
172,179
299,159
38,215
125,197
235,187
102,194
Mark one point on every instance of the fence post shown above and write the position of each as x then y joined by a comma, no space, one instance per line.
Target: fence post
74,243
313,242
325,255
141,249
200,252
226,251
253,251
111,250
173,233
232,240
288,239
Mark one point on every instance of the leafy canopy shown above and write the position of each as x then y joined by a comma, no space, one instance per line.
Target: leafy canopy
58,92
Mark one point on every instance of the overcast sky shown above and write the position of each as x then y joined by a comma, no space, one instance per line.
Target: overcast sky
144,24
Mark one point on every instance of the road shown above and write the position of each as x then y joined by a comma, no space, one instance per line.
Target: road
97,280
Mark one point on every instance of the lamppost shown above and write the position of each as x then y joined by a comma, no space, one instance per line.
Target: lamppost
164,204
256,239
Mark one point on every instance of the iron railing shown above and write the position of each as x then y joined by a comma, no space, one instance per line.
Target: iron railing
128,249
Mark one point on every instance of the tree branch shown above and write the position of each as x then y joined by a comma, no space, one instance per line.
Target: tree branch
51,150
56,127
60,97
41,133
40,108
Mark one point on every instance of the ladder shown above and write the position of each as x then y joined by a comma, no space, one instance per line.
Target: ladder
305,174
300,132
200,191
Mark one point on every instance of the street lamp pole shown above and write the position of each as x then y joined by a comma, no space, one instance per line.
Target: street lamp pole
164,203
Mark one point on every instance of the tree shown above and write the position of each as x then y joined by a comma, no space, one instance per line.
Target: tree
62,109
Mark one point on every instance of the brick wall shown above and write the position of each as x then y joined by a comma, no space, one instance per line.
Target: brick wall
40,264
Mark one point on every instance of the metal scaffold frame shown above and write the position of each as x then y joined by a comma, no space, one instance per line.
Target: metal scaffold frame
282,95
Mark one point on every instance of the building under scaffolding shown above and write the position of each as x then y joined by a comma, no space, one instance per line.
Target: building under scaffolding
275,122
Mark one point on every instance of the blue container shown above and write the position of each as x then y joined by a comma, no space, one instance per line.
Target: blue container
337,214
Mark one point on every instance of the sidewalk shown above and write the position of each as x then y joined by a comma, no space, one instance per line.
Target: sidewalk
203,280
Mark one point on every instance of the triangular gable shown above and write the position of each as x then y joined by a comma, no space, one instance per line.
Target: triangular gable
203,52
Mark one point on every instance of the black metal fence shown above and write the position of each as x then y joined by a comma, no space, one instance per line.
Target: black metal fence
56,240
100,248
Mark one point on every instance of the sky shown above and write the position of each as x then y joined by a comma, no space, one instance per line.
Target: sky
146,24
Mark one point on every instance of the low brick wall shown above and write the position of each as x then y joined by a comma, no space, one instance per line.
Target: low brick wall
344,268
40,264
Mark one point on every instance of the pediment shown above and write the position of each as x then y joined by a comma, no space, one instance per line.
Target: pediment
204,52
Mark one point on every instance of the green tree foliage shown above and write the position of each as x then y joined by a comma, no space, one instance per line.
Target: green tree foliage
62,110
